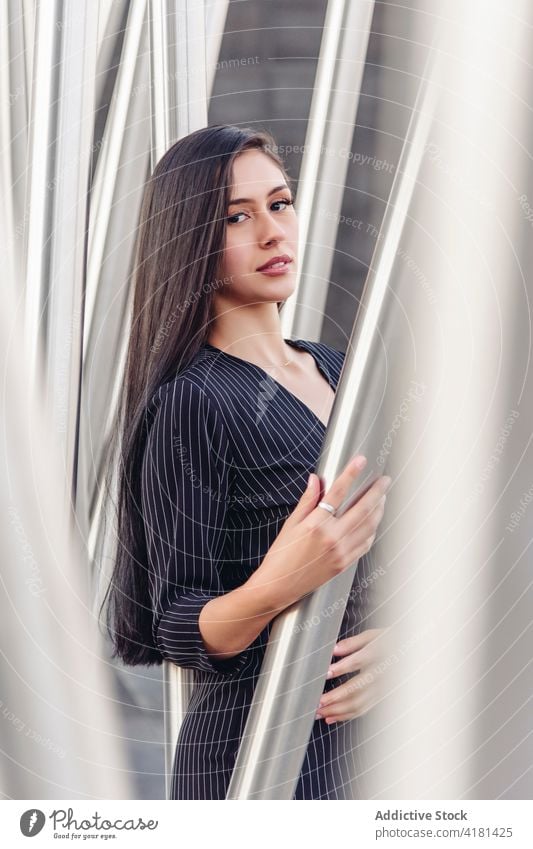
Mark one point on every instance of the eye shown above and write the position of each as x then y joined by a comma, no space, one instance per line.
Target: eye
286,201
231,219
234,219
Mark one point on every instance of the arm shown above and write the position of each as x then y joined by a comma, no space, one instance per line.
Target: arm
185,489
232,621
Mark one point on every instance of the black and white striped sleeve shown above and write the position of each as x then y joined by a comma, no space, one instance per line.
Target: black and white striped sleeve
185,487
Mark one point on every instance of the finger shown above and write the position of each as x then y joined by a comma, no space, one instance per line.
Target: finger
307,502
352,712
365,532
336,494
334,697
356,651
349,708
358,641
371,679
348,690
352,663
368,657
354,517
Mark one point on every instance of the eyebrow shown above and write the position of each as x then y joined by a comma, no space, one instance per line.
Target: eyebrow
251,200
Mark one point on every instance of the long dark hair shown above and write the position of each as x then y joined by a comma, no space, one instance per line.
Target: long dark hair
179,250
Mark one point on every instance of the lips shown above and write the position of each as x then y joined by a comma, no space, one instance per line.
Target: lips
284,259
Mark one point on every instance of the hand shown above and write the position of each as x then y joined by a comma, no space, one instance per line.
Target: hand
364,652
313,546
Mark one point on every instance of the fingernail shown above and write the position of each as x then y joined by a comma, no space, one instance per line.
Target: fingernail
359,462
318,716
329,673
310,481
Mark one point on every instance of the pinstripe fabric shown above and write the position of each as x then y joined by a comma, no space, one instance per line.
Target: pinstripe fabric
227,458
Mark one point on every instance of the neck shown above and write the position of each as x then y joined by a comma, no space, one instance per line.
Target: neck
252,332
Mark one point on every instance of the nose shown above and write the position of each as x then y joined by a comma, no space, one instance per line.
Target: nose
271,228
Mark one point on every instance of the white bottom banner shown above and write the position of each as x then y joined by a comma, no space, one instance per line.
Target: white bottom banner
358,823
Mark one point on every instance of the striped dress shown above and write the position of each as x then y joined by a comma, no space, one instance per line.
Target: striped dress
227,458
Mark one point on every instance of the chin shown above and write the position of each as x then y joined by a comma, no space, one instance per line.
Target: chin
279,290
270,290
279,295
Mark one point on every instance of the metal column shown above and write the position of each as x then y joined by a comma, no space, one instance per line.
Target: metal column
60,736
457,720
54,677
15,86
122,165
325,162
62,114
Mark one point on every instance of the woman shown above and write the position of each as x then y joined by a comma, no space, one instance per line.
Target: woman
221,425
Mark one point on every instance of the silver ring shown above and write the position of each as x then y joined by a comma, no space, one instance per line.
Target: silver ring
328,507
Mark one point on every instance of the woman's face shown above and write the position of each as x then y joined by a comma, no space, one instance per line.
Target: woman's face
260,226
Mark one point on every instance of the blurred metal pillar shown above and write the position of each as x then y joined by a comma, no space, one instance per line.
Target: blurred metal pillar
179,106
62,112
121,170
216,12
111,161
178,88
28,23
59,737
112,29
302,638
14,96
457,720
121,107
323,173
